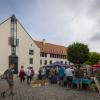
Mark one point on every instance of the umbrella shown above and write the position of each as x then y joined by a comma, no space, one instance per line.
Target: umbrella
58,64
67,66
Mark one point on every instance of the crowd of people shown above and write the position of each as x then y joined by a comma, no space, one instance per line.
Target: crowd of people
28,74
62,75
23,74
55,75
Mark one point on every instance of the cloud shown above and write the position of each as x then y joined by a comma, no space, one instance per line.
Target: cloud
67,21
59,21
96,38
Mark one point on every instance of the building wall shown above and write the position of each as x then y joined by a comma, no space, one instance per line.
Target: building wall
5,49
22,50
53,60
26,43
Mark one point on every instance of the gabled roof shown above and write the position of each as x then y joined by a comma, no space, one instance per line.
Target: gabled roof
51,48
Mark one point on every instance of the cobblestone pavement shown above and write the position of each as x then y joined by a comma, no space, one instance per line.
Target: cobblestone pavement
50,92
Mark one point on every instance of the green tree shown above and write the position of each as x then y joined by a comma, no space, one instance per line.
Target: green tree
94,58
77,53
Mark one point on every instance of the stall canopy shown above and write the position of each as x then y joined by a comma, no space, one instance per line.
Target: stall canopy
58,64
96,66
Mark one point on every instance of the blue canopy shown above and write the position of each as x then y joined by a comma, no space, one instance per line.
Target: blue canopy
58,64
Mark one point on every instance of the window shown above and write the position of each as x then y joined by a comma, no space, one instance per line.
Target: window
58,56
50,61
55,56
31,61
42,54
45,62
62,56
40,62
65,57
50,55
31,52
45,54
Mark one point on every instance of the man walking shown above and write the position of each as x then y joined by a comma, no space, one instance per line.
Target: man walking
79,73
28,74
8,75
22,74
61,75
69,77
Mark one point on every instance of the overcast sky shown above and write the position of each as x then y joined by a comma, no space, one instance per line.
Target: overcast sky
58,21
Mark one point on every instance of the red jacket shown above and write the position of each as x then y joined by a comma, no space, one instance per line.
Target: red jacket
22,73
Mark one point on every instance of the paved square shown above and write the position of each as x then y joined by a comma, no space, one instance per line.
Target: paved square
50,92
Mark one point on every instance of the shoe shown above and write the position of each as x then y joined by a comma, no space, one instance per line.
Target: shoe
3,94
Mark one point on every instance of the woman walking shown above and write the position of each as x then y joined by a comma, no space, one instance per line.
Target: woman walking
22,74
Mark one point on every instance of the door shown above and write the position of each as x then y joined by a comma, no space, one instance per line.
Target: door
13,59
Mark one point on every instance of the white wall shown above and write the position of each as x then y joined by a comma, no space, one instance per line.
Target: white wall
22,50
26,43
5,49
53,59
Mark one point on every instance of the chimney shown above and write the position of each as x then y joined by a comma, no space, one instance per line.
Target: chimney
43,41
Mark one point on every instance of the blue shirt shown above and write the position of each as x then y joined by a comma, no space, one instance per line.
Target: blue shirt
61,72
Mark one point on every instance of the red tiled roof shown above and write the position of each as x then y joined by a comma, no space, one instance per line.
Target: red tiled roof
51,48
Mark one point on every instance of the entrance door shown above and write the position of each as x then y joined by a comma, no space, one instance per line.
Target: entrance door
13,59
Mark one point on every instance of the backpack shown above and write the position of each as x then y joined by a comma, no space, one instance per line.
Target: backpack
6,74
22,73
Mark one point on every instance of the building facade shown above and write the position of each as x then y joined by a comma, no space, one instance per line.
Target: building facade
17,47
50,53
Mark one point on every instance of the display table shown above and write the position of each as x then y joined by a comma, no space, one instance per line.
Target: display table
84,81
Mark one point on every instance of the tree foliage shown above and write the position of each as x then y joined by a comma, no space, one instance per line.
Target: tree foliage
94,58
78,53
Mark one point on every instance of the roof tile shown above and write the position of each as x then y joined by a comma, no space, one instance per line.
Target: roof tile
51,48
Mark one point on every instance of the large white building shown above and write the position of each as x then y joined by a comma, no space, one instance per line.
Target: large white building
17,47
50,53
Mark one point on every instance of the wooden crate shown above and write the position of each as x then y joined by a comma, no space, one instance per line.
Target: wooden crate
38,83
